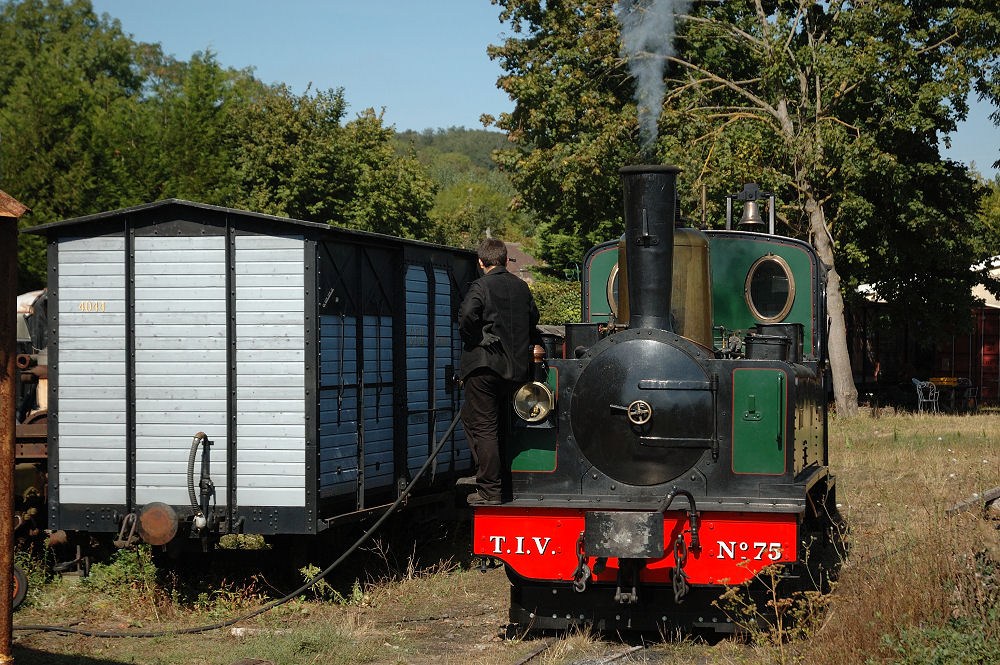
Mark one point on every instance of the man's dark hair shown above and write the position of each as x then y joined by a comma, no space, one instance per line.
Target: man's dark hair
492,252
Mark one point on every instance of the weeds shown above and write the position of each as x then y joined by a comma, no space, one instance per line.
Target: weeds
356,597
230,599
770,614
917,586
243,541
958,642
323,592
131,578
37,573
321,643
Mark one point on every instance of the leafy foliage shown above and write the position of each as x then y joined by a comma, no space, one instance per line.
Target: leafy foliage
35,571
837,107
129,575
472,196
959,642
63,75
93,121
390,194
989,219
558,302
466,210
285,147
573,124
475,144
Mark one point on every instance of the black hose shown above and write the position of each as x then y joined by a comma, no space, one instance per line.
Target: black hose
692,514
281,601
190,471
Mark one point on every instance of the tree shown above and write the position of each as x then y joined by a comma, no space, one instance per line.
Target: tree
573,124
850,98
465,211
383,191
286,153
63,73
189,114
824,103
471,197
93,121
989,218
476,144
294,157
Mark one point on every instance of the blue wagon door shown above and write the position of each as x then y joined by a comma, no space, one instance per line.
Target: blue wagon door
433,349
356,414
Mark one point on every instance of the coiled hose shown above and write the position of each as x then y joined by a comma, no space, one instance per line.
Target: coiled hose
281,601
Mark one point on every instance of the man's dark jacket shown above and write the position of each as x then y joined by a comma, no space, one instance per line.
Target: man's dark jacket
497,321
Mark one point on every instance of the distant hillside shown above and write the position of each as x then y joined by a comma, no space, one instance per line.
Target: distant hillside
476,144
472,196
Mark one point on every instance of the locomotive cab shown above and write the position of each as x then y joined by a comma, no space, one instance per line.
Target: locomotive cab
684,447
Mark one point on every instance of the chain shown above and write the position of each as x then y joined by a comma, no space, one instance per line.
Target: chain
679,578
582,573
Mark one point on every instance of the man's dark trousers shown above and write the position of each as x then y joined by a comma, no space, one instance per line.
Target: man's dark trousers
485,392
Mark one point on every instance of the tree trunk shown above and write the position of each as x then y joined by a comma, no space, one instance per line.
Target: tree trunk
844,391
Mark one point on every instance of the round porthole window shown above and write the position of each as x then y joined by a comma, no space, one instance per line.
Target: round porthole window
613,290
770,289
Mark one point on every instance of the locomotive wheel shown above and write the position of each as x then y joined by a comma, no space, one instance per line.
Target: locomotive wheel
20,586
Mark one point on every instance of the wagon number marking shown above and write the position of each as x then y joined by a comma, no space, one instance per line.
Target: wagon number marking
92,306
729,550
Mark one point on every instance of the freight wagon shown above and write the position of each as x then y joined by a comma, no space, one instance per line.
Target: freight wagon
217,371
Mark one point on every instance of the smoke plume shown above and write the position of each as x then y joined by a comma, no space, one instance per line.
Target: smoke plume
647,40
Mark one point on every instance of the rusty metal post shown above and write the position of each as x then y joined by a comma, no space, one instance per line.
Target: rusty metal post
8,354
10,211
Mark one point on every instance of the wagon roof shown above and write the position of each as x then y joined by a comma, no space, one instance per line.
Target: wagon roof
281,224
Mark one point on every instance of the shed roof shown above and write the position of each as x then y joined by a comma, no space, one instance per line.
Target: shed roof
991,267
280,224
522,261
10,207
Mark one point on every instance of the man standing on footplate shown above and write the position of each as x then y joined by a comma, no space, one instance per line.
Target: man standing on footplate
497,322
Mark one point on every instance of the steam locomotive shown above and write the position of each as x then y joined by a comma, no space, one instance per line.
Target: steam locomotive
676,443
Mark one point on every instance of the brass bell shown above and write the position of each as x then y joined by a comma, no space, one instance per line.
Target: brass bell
751,220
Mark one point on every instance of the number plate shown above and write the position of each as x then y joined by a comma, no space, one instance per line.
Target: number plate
626,535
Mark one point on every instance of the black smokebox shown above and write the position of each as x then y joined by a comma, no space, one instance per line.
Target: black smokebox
650,193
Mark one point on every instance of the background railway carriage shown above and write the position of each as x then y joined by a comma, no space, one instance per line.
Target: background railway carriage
681,443
318,361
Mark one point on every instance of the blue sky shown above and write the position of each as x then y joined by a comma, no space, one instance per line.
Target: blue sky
424,61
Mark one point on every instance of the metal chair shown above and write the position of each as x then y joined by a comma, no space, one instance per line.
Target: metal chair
927,393
972,399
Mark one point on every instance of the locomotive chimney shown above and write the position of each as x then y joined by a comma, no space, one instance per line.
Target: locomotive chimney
650,208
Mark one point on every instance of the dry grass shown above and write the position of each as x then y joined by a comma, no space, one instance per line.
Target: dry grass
917,587
910,567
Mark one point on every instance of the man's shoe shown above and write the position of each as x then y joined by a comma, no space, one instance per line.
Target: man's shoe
478,499
468,481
